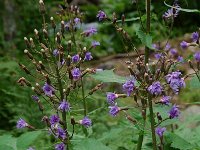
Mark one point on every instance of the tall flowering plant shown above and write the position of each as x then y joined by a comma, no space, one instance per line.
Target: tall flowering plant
56,55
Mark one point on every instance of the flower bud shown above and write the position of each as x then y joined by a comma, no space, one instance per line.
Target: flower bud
45,33
27,42
24,68
58,38
53,23
30,56
41,65
42,7
123,19
62,27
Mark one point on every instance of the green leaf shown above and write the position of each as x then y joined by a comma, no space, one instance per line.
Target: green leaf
6,147
108,76
185,10
7,142
146,39
90,144
194,83
26,139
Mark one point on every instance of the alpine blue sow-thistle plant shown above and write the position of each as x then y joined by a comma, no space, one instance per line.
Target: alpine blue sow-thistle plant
152,80
56,54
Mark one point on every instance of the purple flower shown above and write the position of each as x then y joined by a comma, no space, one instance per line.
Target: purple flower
54,119
180,59
160,131
172,12
155,46
60,146
167,46
184,44
95,43
67,26
114,110
88,56
76,73
173,51
175,81
77,20
30,148
35,98
64,106
174,112
195,36
158,55
75,58
86,122
48,90
90,32
111,97
101,15
197,56
155,88
21,124
129,86
165,100
61,133
55,52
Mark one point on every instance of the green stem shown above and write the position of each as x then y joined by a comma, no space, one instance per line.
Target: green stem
83,95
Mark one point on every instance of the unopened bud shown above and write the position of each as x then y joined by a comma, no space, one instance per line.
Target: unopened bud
53,23
45,33
84,49
62,27
58,39
27,42
42,7
30,56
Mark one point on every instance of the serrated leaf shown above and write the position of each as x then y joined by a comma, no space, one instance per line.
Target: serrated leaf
146,39
108,76
26,139
185,10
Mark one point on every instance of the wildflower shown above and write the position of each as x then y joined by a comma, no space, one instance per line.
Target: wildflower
48,90
88,56
195,36
184,44
155,46
101,15
60,146
55,52
114,110
61,133
160,131
76,73
111,97
174,112
75,58
197,56
165,100
172,12
54,119
180,59
175,81
129,86
167,47
155,88
30,148
77,20
64,106
90,32
95,43
86,122
35,98
173,52
21,123
158,55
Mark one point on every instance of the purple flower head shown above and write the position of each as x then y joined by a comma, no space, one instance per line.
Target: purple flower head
30,148
173,52
54,119
60,146
95,44
175,81
48,90
101,15
88,56
129,86
197,56
165,100
111,97
75,58
167,47
77,20
172,12
180,59
155,46
21,124
86,122
160,131
114,110
67,26
60,133
174,112
55,52
64,106
184,44
90,32
195,36
76,73
35,98
158,55
155,88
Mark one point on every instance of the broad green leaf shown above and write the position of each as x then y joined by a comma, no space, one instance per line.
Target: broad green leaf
195,83
6,147
185,10
108,76
146,39
26,139
90,144
8,142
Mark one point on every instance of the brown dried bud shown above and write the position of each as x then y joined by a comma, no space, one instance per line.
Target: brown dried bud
58,38
62,27
24,68
30,56
42,7
45,33
22,82
53,23
32,43
48,79
159,116
73,122
41,65
46,120
97,87
123,19
27,42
